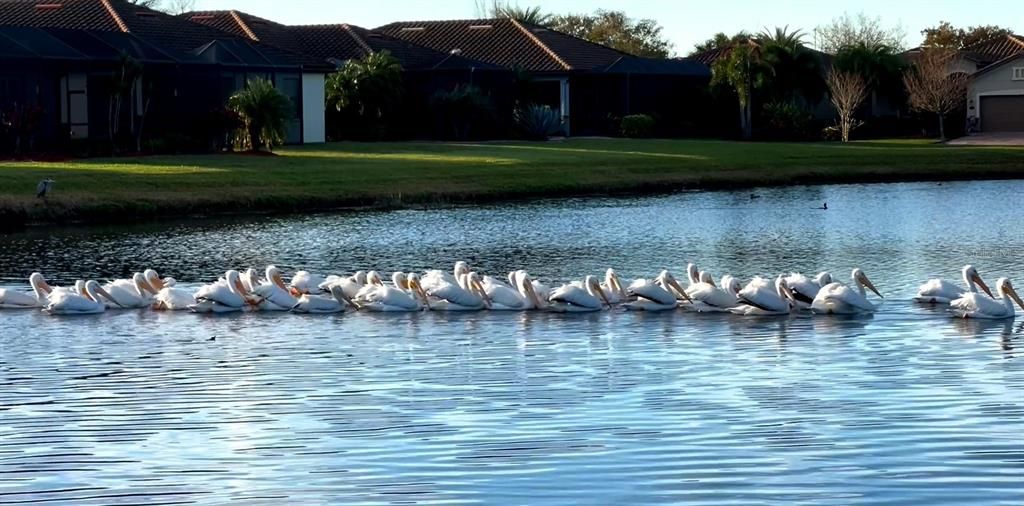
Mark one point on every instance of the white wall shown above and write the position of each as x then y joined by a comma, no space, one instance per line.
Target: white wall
995,82
314,109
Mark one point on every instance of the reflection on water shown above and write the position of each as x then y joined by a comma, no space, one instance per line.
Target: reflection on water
907,406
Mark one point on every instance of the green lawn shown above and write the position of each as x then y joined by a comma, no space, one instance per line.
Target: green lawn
392,174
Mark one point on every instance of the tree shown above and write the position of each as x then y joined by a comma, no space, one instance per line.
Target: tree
265,112
860,30
932,88
169,6
639,37
122,85
793,71
368,91
947,36
848,91
720,40
737,70
879,65
505,9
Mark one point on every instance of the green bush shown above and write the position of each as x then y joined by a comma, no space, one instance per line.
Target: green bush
637,126
366,96
784,121
265,112
538,122
461,110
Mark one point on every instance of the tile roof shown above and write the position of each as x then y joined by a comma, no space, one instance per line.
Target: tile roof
658,66
337,42
997,49
157,29
507,43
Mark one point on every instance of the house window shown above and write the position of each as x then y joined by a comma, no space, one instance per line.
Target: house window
1018,73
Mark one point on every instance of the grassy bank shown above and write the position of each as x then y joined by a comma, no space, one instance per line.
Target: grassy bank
399,174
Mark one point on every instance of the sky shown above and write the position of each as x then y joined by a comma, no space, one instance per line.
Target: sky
685,22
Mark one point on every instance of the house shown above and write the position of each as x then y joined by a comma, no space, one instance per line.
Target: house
62,56
425,71
995,95
588,83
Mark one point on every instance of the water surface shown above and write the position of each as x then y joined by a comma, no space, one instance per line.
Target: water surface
905,407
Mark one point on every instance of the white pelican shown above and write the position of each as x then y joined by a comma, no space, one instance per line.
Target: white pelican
468,295
521,296
574,298
90,301
273,294
349,285
135,293
805,289
837,298
405,296
227,295
168,298
10,299
336,302
709,298
613,289
940,291
250,279
976,305
304,283
661,294
692,274
761,298
436,278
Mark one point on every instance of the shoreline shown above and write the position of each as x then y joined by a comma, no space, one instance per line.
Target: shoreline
354,177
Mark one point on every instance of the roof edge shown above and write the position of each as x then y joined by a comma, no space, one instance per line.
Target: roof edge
536,40
355,36
241,24
114,14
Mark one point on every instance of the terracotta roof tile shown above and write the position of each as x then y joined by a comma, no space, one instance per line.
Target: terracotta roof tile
998,49
78,14
506,43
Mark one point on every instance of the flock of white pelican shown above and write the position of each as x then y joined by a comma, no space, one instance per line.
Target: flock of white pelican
465,290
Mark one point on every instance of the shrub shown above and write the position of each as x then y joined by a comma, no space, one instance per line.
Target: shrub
265,112
785,121
637,126
460,110
365,94
538,122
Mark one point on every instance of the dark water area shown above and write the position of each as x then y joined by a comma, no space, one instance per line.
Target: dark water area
907,406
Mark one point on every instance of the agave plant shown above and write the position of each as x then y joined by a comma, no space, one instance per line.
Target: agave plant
538,122
265,111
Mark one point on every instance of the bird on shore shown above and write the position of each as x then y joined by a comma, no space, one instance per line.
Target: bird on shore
44,188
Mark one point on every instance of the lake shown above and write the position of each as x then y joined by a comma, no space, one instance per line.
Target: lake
907,406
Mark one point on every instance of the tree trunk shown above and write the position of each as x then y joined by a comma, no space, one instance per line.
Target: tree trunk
743,121
942,127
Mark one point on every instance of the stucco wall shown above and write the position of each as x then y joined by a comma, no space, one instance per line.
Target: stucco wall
998,81
314,107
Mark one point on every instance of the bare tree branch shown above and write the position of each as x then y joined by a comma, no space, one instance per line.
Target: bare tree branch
848,92
931,87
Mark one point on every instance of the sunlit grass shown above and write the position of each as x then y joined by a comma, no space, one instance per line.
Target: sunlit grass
396,174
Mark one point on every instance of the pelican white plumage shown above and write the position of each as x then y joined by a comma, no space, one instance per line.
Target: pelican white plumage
761,298
405,296
92,300
978,306
583,297
10,299
273,294
168,298
305,283
437,278
467,295
135,293
335,302
659,294
521,296
349,285
227,295
940,291
613,289
837,298
709,298
805,289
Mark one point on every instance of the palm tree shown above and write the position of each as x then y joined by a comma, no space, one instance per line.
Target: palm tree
265,111
794,72
740,70
879,66
505,9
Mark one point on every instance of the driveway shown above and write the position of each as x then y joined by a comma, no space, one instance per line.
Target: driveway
993,139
